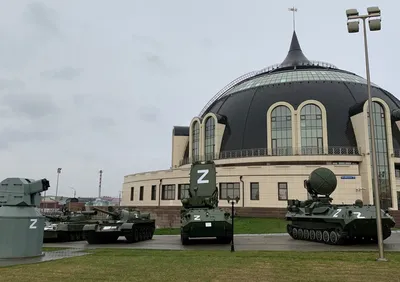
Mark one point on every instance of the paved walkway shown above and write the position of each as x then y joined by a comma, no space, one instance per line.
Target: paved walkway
268,242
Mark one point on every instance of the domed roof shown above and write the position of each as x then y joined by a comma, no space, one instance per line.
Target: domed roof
245,101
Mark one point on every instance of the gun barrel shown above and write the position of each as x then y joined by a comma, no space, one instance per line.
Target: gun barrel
106,212
89,212
39,186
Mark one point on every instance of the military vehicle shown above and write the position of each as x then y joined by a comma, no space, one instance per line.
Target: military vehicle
66,227
130,223
200,214
317,219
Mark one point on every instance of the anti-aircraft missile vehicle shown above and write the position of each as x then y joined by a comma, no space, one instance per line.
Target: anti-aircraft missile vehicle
200,215
66,227
132,224
317,219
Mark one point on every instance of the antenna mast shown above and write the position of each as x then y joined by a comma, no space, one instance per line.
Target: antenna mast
294,10
101,174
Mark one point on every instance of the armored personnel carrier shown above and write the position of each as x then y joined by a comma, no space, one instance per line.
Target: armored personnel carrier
66,227
317,219
200,215
132,224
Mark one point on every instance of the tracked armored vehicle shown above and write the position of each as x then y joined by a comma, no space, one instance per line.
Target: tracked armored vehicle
66,227
200,214
132,224
317,219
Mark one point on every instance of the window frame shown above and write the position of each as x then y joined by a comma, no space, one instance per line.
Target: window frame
286,192
252,196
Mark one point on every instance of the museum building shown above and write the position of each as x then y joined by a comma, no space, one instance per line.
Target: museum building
269,129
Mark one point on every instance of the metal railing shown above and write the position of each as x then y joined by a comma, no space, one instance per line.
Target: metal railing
264,152
396,153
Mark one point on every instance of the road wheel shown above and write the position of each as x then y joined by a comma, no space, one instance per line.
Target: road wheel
333,237
325,236
312,235
294,233
306,234
318,235
300,234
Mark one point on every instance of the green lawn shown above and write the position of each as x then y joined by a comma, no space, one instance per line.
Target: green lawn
246,225
151,265
243,225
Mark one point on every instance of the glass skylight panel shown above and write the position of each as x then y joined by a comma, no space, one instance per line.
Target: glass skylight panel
294,76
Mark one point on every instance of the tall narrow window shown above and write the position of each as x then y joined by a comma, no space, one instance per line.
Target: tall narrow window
254,191
153,192
141,193
311,130
132,193
195,140
282,191
281,131
382,161
209,140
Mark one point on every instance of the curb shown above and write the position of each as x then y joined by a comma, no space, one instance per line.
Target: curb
260,235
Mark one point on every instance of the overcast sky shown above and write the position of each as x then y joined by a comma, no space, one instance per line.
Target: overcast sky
95,84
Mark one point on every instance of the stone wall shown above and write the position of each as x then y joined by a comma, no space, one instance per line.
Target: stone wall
169,217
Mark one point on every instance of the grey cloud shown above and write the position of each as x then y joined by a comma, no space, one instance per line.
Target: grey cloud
146,40
102,122
155,60
12,136
149,114
11,84
31,105
65,73
42,16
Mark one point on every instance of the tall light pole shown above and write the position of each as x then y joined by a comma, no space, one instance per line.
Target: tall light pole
74,195
374,21
58,178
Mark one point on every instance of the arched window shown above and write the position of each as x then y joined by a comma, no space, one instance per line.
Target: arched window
382,161
209,139
281,131
311,130
195,140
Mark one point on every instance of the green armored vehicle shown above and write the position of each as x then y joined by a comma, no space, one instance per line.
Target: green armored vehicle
200,215
132,224
317,219
66,227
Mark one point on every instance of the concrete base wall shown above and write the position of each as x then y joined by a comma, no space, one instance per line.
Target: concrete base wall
169,217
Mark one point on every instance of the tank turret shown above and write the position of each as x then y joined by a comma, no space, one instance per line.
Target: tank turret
134,225
122,214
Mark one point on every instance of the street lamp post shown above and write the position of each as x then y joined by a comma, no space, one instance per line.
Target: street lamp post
58,178
74,194
232,202
374,21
